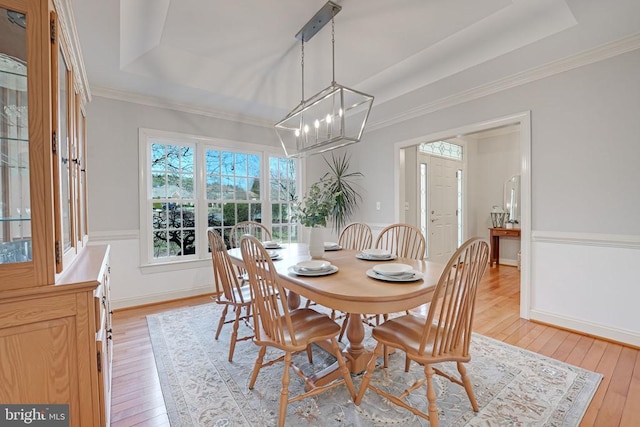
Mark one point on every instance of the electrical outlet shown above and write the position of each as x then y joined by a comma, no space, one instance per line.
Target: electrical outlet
406,206
377,206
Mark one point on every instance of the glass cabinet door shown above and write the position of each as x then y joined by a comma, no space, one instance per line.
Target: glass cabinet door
64,160
15,196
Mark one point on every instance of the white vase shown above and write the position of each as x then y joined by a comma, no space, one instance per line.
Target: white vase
316,242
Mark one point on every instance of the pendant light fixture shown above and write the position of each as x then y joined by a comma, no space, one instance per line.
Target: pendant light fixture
332,118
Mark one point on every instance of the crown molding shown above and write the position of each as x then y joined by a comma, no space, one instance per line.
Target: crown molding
153,101
600,53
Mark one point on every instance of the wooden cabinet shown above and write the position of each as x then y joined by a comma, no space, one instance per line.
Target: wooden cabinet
56,342
43,92
55,320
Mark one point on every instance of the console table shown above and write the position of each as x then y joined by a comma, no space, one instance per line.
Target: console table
495,234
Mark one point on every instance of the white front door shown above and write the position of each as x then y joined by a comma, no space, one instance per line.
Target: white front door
441,215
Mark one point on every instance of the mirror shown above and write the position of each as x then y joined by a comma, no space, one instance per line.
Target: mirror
512,199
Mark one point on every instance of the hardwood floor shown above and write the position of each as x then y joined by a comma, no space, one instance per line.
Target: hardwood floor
137,397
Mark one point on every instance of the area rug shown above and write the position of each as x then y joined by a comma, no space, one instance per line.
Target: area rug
513,387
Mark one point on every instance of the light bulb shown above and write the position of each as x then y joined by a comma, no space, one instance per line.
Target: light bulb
328,118
306,128
316,123
297,133
340,112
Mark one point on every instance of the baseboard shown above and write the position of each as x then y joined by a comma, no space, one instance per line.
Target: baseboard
505,261
160,297
630,338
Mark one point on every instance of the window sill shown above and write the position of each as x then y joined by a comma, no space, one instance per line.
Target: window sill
174,266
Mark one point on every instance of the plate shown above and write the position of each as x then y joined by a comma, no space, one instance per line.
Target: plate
332,246
366,257
270,244
392,269
406,278
332,269
376,253
313,265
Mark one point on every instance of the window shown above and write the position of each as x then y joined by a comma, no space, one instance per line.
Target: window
283,185
232,189
442,149
173,203
190,184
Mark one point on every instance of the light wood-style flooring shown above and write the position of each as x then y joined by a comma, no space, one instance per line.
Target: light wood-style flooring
137,397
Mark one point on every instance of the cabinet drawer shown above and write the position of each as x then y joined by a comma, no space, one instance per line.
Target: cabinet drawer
37,310
507,233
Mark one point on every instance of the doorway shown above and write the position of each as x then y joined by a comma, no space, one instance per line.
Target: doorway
404,152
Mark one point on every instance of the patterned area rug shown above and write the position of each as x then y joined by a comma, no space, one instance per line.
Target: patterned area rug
513,387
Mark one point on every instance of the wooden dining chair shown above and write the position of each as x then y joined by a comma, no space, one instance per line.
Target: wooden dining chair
229,291
403,240
291,331
443,336
252,228
356,236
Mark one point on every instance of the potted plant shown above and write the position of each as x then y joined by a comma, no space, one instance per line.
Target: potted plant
313,211
340,187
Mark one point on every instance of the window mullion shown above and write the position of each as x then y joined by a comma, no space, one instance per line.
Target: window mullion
265,190
200,193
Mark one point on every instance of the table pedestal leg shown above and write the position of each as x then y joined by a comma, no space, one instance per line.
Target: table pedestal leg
355,353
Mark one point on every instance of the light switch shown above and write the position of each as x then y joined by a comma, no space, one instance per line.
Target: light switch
377,206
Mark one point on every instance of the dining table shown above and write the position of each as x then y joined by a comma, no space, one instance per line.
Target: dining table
351,289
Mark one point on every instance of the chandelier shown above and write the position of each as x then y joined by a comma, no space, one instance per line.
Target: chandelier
332,118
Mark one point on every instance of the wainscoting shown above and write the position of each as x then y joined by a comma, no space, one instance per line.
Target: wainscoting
588,283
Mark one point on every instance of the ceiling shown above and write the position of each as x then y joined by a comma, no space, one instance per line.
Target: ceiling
240,58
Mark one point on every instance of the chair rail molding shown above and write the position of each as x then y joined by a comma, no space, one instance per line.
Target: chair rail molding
622,241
